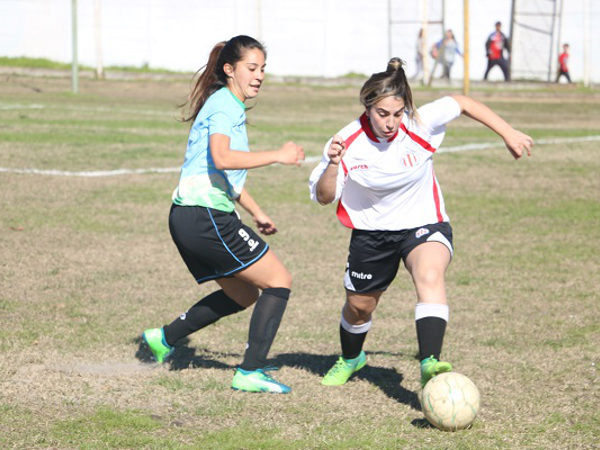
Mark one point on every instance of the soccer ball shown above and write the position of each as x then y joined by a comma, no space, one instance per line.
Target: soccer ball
450,401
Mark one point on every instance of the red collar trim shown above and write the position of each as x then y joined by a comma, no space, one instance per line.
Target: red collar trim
418,139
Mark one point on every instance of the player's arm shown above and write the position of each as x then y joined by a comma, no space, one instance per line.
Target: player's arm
226,158
326,186
263,222
516,142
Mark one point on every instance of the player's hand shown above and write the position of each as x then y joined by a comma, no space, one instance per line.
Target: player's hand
264,224
518,143
336,150
291,154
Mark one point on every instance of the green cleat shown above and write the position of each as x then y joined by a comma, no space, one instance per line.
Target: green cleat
430,367
155,339
258,381
343,370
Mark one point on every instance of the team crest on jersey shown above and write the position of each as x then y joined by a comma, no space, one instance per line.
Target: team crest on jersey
410,160
421,232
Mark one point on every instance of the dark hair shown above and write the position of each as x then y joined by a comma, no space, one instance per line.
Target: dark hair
212,77
390,83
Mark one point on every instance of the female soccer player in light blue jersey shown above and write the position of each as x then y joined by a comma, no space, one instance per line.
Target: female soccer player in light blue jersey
211,238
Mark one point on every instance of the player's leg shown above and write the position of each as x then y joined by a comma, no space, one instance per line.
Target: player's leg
205,248
427,263
373,262
275,281
355,323
212,244
234,296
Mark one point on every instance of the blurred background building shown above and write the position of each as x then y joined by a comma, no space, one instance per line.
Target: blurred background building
325,38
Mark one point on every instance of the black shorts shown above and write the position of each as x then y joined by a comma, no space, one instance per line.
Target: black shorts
374,256
214,244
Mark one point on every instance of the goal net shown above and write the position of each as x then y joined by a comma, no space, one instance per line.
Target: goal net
534,39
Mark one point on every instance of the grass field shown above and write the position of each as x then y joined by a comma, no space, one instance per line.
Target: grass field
88,264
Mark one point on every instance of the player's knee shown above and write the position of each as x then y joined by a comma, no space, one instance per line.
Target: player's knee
359,310
361,316
245,295
281,278
429,277
287,279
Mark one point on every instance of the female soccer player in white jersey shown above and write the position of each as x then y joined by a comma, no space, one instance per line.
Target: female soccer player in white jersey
211,238
379,168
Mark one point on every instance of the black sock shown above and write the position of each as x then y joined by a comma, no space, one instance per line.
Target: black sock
430,334
352,344
208,310
264,324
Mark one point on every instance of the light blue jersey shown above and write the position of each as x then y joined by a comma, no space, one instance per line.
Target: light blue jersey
201,183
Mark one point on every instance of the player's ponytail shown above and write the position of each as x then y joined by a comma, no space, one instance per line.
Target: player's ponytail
392,82
207,79
212,77
394,65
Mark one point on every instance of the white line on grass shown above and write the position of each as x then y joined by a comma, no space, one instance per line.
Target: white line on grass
148,112
486,145
92,173
13,107
310,159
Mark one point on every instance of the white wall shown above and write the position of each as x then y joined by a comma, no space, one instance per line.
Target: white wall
309,37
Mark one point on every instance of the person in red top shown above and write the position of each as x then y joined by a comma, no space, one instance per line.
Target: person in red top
563,61
495,45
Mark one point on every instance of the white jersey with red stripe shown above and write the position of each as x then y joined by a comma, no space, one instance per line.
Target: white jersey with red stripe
390,185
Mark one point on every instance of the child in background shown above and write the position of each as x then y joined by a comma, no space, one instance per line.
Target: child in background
563,62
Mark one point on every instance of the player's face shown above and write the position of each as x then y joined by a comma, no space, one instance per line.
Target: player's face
246,77
385,116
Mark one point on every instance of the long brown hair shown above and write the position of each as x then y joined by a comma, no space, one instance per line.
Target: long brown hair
392,82
212,77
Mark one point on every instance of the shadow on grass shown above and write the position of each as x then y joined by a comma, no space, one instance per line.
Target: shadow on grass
185,357
386,379
422,423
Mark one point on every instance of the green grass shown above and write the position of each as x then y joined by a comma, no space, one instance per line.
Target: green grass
112,429
44,63
32,63
88,264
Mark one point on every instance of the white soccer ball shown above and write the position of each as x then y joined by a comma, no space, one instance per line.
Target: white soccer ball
450,401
